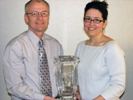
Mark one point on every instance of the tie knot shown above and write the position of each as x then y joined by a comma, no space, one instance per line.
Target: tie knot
40,42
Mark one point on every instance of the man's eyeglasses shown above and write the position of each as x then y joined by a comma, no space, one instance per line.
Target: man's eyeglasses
96,21
36,14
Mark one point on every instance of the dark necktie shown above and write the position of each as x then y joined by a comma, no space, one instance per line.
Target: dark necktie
45,83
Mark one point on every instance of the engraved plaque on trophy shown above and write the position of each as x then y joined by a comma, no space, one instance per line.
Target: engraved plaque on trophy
66,76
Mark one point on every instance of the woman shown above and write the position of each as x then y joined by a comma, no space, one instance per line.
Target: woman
101,71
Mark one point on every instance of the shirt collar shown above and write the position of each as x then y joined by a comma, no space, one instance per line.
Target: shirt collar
34,38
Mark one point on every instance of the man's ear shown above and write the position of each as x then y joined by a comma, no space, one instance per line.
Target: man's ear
26,19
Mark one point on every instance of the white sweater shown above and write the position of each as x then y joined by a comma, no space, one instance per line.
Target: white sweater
101,71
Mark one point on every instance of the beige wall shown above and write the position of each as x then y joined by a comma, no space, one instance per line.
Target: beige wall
66,25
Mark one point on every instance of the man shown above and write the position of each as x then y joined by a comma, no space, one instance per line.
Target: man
22,67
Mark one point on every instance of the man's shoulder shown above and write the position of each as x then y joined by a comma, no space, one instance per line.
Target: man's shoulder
17,38
51,39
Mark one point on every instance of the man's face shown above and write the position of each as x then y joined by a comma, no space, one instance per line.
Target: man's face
37,23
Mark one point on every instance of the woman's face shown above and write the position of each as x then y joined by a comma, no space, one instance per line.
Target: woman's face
93,23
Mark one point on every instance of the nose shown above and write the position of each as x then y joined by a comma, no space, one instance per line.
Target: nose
92,21
40,15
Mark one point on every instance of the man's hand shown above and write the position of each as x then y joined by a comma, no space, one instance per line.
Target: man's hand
49,98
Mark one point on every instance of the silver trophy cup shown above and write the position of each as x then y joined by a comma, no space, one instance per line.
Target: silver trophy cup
66,76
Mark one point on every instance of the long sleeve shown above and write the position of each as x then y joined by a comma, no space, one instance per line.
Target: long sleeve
116,66
15,71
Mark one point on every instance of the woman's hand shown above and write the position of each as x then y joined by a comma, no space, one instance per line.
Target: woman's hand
99,98
77,95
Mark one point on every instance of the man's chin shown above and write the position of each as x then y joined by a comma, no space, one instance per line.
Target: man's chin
40,30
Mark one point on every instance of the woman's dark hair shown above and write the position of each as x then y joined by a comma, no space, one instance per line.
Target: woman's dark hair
99,5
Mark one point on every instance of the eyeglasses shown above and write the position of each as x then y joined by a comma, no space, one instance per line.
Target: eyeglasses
96,21
36,14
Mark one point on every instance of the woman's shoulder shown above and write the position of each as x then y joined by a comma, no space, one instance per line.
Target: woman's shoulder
112,46
108,42
111,43
81,44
